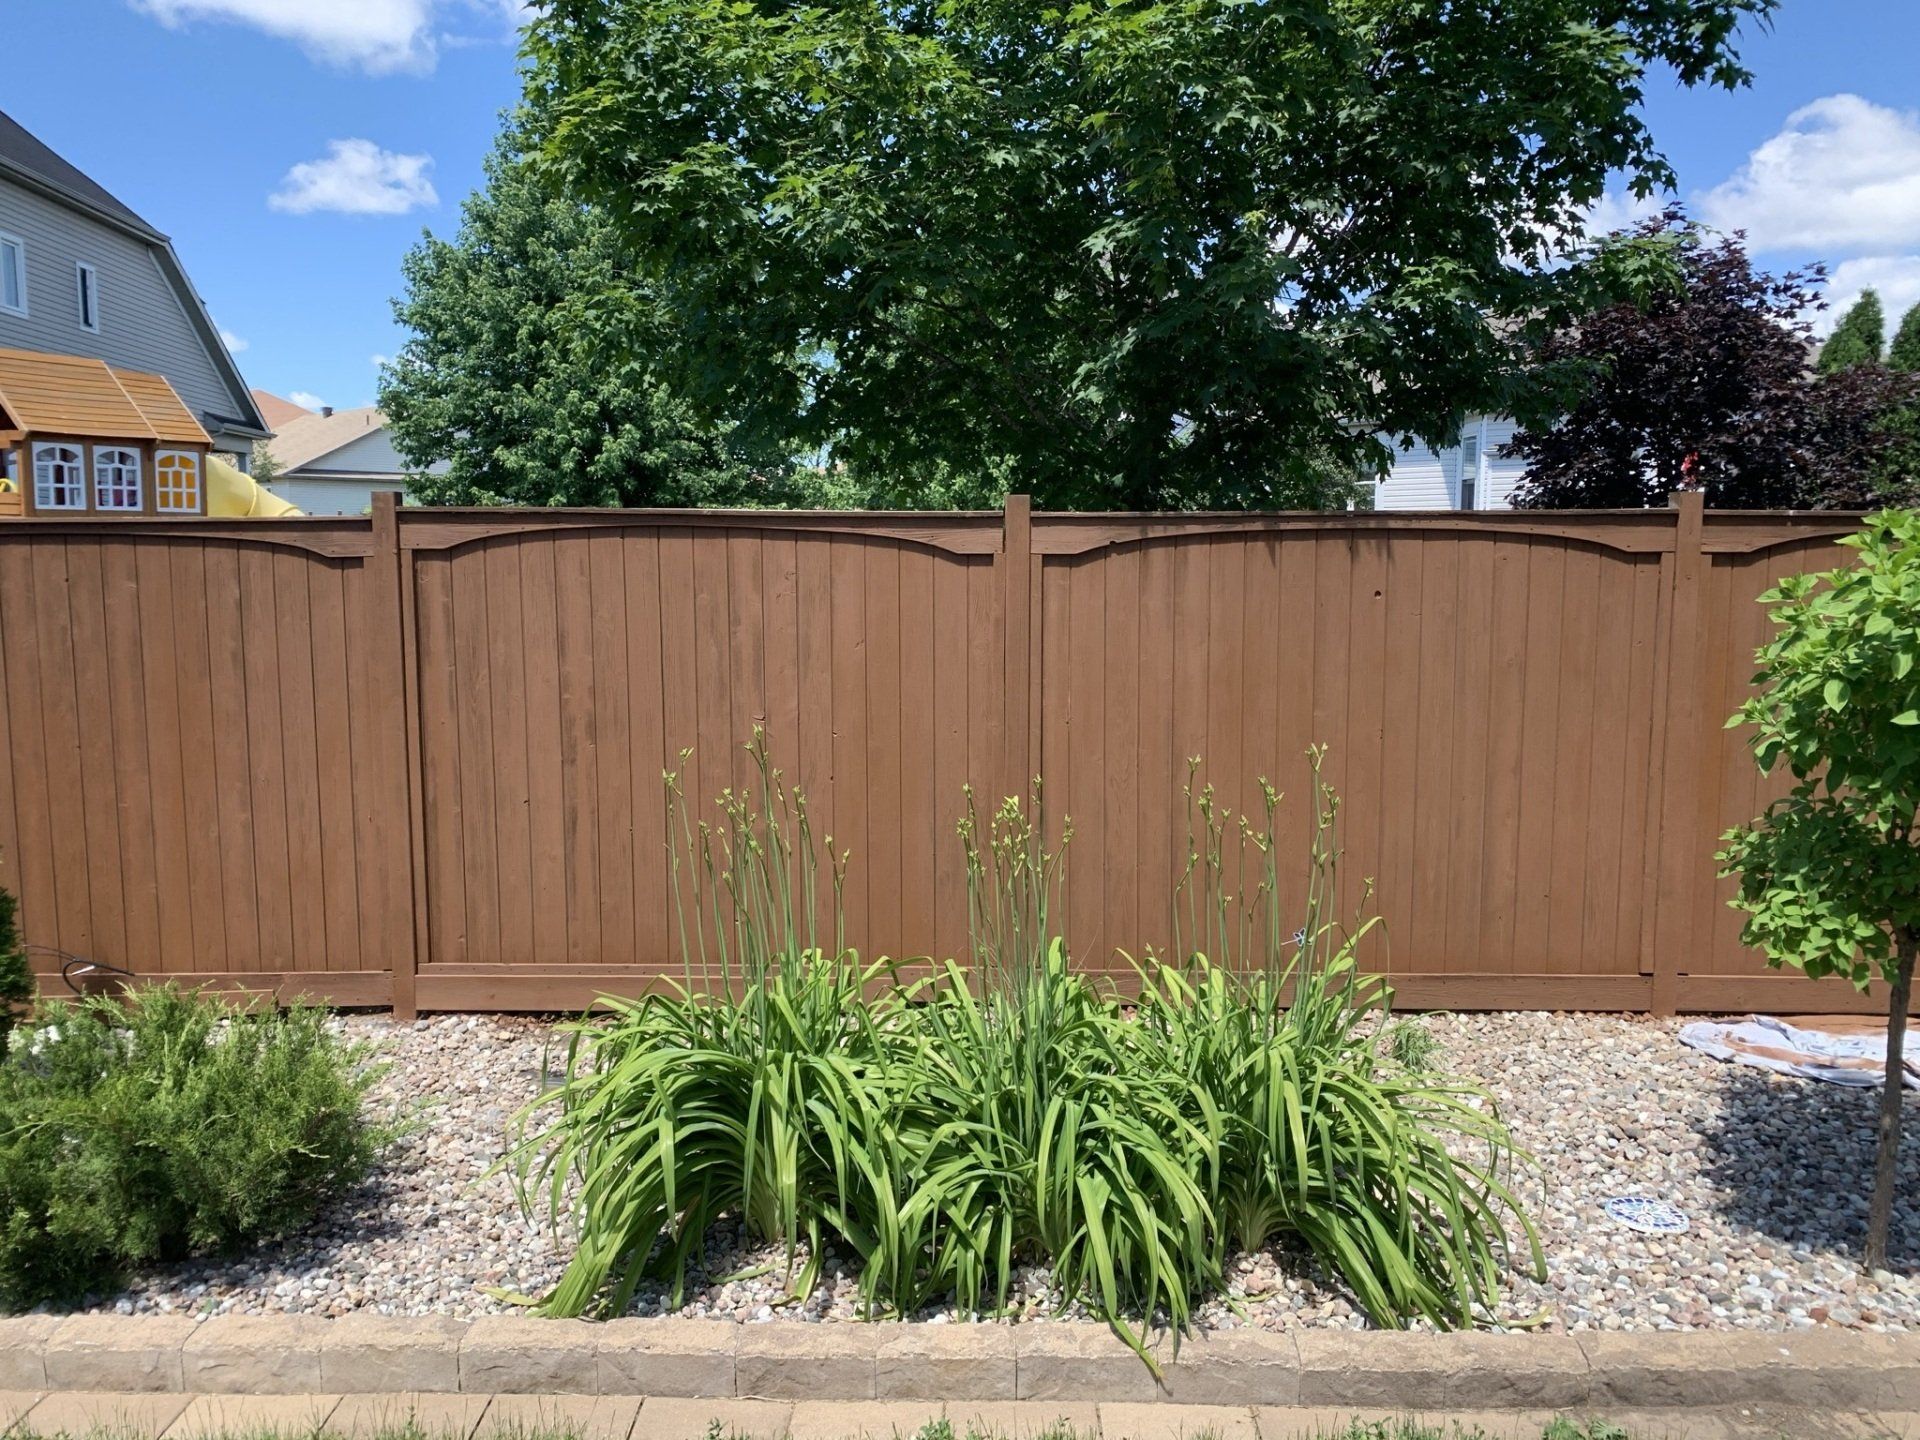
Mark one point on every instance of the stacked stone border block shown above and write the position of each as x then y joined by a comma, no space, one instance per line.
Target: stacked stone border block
1060,1362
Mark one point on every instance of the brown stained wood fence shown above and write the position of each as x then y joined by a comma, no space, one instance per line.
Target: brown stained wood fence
416,759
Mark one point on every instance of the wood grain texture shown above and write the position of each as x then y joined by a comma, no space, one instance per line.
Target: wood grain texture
428,747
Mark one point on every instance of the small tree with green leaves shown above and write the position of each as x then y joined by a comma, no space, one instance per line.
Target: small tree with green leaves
1830,875
16,978
1858,339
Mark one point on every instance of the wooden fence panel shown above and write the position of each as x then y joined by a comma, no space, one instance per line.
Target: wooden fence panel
1736,790
417,758
1487,732
871,656
181,737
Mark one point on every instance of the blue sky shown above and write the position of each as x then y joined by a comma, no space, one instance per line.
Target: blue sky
294,149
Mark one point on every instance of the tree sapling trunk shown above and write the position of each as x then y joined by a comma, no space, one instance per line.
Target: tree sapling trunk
1886,1165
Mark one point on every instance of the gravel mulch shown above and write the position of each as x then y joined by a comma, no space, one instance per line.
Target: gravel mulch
1771,1171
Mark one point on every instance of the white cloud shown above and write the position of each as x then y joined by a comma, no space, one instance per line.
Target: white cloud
232,341
379,36
356,177
1842,177
1896,277
377,360
306,400
1620,210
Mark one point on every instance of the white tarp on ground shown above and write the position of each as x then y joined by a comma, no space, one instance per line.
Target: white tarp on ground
1840,1051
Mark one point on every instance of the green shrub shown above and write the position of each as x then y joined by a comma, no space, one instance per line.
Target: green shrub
167,1124
947,1131
16,978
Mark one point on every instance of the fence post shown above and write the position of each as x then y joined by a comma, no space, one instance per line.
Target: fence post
1016,565
1682,843
393,599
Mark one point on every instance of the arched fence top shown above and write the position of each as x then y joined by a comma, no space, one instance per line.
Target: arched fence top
954,532
333,536
1626,531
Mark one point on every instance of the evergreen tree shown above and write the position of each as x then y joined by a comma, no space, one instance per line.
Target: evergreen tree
16,979
1858,339
1904,353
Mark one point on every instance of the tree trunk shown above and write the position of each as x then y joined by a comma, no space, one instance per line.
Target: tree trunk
1886,1165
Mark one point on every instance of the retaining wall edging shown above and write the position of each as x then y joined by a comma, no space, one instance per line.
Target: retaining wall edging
1060,1361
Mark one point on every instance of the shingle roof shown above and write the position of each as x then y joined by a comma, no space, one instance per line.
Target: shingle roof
22,150
307,438
276,410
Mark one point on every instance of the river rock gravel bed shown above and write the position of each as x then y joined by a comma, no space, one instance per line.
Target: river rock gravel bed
1771,1172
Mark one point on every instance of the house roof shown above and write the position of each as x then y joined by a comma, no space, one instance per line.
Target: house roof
27,159
308,438
76,395
276,410
21,150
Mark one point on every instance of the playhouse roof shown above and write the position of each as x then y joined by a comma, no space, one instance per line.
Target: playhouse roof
76,395
165,411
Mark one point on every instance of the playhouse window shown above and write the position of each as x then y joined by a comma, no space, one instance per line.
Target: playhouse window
59,478
176,482
116,478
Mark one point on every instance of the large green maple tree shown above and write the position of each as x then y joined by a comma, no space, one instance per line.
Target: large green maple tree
1134,253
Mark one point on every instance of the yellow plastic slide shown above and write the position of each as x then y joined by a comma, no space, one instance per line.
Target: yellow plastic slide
232,492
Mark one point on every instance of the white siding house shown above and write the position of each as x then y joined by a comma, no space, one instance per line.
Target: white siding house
1471,475
333,462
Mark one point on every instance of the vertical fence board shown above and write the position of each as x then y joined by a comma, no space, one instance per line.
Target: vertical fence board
293,636
335,870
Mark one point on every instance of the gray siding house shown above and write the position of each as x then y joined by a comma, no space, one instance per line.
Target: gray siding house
81,274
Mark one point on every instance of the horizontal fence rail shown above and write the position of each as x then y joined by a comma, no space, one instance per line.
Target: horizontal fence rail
416,759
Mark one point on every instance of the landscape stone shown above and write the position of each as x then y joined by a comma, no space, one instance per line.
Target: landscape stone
436,1416
1078,1362
392,1354
255,1355
1124,1421
23,1348
690,1358
681,1419
578,1417
105,1414
806,1362
222,1417
860,1420
519,1354
117,1353
945,1362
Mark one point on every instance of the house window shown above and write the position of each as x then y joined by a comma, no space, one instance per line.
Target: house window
87,292
13,274
59,477
1470,472
176,482
116,478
